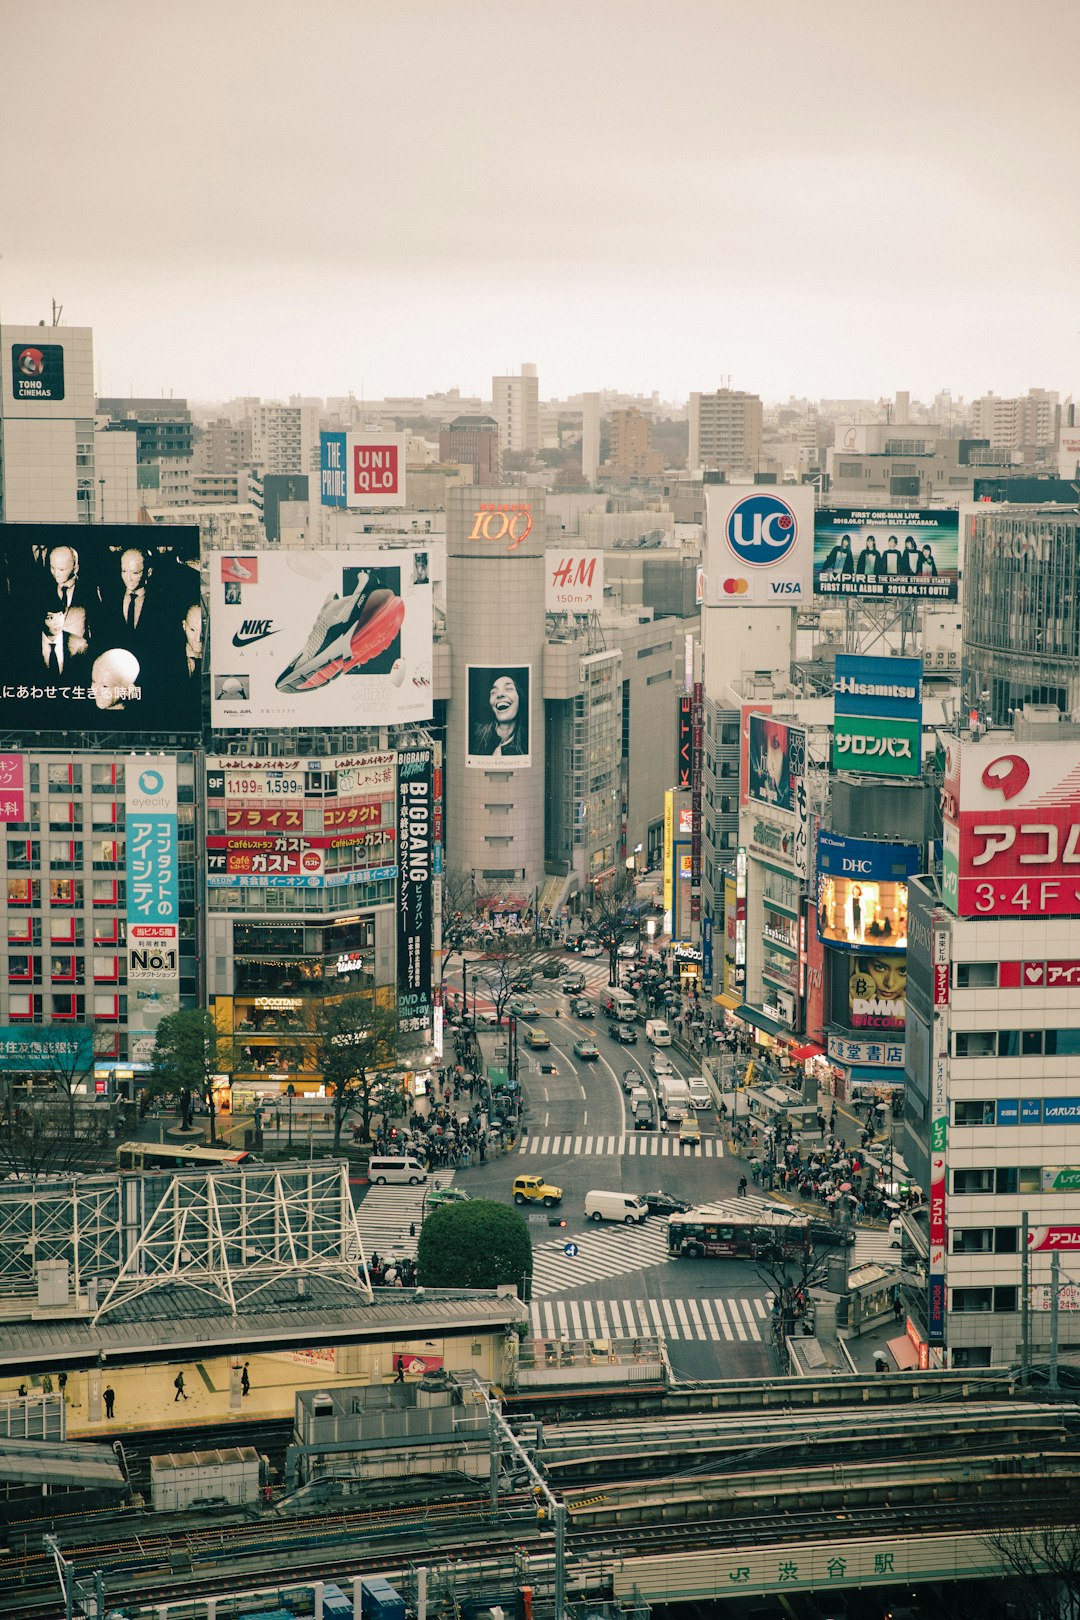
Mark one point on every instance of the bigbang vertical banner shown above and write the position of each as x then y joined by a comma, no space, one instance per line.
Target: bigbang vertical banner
320,638
153,889
416,825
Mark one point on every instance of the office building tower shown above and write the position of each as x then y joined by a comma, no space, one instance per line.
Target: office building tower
725,433
516,408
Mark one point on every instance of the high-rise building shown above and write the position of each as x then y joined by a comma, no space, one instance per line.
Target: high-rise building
631,452
473,441
1028,423
284,438
590,436
516,407
725,433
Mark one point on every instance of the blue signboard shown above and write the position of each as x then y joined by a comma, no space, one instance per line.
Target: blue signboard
332,469
864,858
886,688
1008,1111
1061,1110
41,1047
1030,1111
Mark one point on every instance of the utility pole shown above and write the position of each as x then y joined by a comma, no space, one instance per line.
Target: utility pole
1055,1290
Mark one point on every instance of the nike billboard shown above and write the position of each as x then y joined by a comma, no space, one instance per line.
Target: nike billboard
320,638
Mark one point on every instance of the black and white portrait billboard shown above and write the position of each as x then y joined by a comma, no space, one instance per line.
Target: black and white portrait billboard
106,627
499,721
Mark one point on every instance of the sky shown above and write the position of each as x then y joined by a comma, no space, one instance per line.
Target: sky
333,196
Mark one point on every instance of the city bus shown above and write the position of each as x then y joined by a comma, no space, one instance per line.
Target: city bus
735,1231
179,1156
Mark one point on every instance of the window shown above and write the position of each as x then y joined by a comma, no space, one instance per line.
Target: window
23,1009
1029,1177
106,892
1006,1178
65,778
973,1240
729,734
967,1300
1008,1043
973,1113
106,969
1031,1042
973,1181
65,892
22,854
106,852
65,854
1061,1042
974,1043
976,975
66,1006
1005,1239
106,930
106,1007
22,891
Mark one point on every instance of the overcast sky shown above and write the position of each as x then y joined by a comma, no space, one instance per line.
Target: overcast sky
260,197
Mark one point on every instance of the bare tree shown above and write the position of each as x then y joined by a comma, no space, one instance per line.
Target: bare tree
459,914
43,1137
504,963
1044,1562
353,1043
791,1272
616,913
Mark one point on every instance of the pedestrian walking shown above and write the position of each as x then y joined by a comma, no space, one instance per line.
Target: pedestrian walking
62,1382
46,1384
399,1375
108,1395
245,1380
178,1385
742,1186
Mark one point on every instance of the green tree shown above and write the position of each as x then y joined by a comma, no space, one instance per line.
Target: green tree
189,1053
352,1043
475,1245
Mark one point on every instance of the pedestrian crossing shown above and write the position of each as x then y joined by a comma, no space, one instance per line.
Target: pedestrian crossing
385,1214
602,1251
871,1245
638,1144
731,1318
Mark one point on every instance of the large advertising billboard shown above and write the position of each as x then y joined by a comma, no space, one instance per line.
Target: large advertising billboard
498,717
899,554
862,892
877,991
320,638
776,761
153,889
415,884
37,371
1012,828
573,581
104,628
877,729
363,470
759,545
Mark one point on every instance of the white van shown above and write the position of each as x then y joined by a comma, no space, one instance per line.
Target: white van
399,1168
615,1206
657,1032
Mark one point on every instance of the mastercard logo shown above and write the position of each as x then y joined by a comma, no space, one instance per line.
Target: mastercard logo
736,587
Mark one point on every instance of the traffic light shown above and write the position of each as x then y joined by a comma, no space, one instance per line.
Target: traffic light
553,1220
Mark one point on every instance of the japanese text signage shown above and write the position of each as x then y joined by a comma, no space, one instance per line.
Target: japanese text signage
12,787
153,890
878,722
1012,828
414,897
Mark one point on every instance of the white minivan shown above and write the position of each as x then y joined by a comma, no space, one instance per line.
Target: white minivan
398,1168
657,1032
615,1206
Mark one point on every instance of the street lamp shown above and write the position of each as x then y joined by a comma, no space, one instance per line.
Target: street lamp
290,1092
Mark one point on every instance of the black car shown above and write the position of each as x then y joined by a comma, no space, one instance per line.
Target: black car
830,1234
625,1034
551,968
665,1203
574,983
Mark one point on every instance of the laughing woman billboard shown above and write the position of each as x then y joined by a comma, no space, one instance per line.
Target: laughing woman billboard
498,716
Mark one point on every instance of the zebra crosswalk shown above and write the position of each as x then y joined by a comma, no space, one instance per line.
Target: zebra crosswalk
602,1251
385,1215
732,1318
637,1144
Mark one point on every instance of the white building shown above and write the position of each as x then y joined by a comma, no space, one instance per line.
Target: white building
47,424
516,408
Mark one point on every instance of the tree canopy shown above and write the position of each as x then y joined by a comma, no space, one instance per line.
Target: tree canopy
189,1051
475,1245
352,1043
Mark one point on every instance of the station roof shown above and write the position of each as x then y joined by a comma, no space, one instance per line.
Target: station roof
175,1319
45,1462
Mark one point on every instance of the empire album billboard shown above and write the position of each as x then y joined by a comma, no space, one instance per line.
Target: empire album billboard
327,638
499,717
105,628
899,554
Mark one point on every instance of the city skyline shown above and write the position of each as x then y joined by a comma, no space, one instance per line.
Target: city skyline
626,199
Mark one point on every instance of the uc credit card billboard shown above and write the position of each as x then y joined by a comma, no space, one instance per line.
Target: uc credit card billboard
324,638
759,545
894,554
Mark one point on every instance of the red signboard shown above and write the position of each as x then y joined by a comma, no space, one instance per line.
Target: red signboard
1013,828
375,469
1054,1237
941,984
12,788
1039,975
353,815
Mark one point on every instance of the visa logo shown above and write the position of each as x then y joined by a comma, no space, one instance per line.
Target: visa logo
785,587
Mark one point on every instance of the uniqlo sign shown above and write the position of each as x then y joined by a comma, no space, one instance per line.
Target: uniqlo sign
375,465
1013,828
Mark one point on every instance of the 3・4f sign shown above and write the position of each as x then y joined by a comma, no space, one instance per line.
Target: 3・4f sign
759,546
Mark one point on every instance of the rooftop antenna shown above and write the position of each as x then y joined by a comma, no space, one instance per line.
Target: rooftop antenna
57,311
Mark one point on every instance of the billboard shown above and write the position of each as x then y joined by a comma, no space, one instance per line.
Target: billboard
862,892
1012,828
38,1048
320,638
12,787
499,717
903,554
759,545
105,628
415,869
775,763
877,729
363,470
153,889
37,371
877,991
685,744
573,581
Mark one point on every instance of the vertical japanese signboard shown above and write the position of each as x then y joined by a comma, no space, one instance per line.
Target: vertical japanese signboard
416,822
12,787
939,1126
698,726
153,892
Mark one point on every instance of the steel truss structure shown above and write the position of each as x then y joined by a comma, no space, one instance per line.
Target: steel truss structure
230,1233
